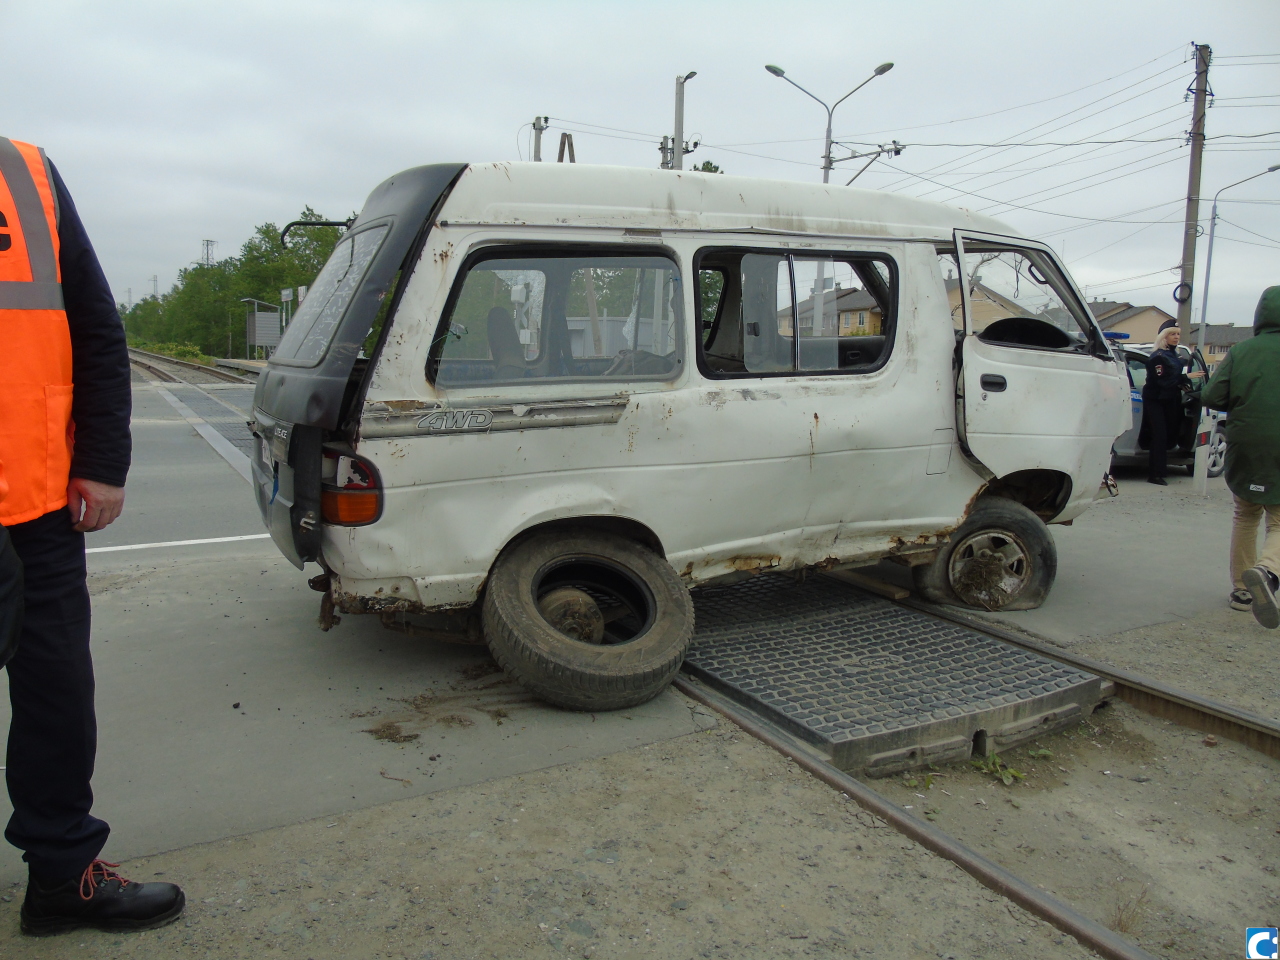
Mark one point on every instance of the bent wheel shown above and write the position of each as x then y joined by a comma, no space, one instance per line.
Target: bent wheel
1001,558
587,620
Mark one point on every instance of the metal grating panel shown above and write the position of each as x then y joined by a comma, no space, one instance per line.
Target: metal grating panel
878,687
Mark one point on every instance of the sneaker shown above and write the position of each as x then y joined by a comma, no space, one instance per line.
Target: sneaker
101,899
1240,599
1262,584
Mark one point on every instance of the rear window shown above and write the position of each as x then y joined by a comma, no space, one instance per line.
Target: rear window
313,326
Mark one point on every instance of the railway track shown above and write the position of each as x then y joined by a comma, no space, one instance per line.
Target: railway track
1145,694
171,370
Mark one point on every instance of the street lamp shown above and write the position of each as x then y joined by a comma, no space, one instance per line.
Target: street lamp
879,71
677,148
1202,455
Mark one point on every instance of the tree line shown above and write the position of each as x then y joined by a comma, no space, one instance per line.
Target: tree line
202,313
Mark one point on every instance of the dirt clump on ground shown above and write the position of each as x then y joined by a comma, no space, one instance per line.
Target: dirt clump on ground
708,845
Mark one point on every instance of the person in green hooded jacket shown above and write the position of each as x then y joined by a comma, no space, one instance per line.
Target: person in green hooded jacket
1247,386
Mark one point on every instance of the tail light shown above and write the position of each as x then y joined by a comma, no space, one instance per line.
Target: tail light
350,490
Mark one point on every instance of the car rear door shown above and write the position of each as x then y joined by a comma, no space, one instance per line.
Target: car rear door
1039,387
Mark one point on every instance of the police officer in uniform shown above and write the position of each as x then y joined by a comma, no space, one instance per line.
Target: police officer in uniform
65,446
1162,400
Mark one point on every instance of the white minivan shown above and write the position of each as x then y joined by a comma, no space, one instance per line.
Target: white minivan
531,405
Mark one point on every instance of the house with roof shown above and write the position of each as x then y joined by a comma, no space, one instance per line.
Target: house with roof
1140,323
1218,339
852,310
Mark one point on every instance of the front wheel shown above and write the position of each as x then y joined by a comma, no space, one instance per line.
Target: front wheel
1001,558
587,620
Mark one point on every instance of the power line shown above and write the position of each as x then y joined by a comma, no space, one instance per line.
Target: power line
1051,213
1054,150
1100,173
1252,243
1116,218
1127,236
1090,186
1247,230
1082,107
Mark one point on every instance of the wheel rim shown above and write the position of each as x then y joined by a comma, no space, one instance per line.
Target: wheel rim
593,600
1217,452
989,568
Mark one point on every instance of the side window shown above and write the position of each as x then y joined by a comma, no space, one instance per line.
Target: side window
779,313
560,316
1137,372
1019,298
710,298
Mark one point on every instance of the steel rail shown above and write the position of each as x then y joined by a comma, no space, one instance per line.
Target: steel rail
1106,943
164,375
1150,696
212,371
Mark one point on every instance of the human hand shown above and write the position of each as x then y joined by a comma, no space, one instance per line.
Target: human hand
93,505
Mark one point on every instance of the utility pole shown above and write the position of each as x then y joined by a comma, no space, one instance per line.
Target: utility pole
1182,292
539,124
677,145
155,287
665,150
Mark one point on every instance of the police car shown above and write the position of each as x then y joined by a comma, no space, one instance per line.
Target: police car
1130,448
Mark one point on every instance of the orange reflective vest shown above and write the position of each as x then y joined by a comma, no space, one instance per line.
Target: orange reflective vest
35,341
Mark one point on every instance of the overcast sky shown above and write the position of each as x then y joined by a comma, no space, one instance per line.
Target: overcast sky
176,122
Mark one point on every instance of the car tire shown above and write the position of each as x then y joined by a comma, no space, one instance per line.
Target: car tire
1001,558
587,620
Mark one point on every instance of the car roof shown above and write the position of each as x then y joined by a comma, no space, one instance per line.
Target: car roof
562,194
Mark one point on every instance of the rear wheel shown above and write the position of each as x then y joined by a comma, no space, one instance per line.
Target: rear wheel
1217,453
587,620
1001,558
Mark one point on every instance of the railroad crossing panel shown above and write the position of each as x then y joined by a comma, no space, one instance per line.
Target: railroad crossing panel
877,687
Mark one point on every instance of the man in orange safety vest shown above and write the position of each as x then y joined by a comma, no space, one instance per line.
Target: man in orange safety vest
65,448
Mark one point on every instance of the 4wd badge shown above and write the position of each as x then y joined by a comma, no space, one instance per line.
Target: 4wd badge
446,421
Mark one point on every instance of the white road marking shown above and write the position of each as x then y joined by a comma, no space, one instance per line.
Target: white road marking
221,445
177,543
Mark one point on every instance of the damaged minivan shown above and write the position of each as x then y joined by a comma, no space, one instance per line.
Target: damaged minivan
532,405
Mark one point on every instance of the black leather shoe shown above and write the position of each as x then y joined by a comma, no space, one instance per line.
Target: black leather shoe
1160,480
101,899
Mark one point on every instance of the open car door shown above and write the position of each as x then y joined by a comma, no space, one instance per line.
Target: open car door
1039,388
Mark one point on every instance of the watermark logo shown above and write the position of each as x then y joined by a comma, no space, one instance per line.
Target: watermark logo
1262,942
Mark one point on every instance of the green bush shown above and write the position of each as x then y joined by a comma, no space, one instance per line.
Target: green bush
179,351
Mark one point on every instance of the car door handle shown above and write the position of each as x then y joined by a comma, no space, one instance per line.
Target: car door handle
993,382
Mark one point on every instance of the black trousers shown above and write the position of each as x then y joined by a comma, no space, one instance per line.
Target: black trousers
53,736
1164,418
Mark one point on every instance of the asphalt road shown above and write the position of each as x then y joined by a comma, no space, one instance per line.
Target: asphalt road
223,709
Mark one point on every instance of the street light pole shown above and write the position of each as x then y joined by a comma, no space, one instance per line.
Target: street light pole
879,71
677,148
1202,452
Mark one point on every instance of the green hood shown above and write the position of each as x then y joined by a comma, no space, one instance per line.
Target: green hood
1267,317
